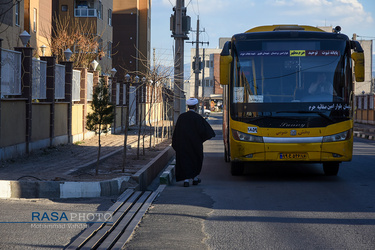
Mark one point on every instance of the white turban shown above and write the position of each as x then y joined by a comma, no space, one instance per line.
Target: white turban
192,102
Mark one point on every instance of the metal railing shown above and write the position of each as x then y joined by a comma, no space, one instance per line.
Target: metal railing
59,81
117,93
39,82
10,72
76,86
90,86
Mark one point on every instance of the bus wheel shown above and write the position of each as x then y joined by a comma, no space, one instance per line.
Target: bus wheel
331,168
236,168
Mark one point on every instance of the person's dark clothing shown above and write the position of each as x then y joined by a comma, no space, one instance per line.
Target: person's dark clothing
190,132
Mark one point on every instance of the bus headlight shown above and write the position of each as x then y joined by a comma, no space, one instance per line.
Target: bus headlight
239,136
346,135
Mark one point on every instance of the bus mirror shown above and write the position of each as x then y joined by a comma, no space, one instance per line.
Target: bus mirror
225,69
225,60
359,66
356,46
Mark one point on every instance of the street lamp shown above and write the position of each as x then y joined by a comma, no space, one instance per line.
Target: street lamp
68,53
127,77
25,37
94,64
136,78
113,72
43,49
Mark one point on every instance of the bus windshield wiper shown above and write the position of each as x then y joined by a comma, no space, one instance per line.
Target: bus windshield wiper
308,112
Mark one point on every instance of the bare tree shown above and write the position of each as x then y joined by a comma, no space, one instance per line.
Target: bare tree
153,85
80,36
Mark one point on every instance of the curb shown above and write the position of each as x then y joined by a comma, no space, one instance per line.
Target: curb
64,189
363,135
168,175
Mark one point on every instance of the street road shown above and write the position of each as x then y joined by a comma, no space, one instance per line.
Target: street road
41,223
270,207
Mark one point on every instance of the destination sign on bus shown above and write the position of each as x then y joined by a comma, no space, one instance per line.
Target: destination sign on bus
292,53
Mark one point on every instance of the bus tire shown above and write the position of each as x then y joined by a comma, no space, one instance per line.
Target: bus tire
331,168
236,168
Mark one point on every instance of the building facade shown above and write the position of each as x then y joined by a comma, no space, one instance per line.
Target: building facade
11,23
206,76
38,23
132,42
209,88
97,15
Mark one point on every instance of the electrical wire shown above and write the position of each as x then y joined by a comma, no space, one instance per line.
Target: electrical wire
171,3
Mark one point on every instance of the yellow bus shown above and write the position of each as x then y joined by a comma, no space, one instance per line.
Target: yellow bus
288,96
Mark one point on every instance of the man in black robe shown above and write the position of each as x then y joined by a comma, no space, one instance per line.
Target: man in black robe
190,132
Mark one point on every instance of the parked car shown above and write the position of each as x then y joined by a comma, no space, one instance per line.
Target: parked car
206,112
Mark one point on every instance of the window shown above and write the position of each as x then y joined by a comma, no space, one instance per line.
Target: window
109,50
100,10
208,83
34,20
64,8
109,17
17,9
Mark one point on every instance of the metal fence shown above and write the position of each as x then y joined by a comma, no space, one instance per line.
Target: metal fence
39,82
90,86
10,72
117,93
132,105
59,81
76,87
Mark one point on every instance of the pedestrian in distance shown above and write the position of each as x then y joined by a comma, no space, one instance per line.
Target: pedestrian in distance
191,131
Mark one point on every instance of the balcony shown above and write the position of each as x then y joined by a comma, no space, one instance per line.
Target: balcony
85,12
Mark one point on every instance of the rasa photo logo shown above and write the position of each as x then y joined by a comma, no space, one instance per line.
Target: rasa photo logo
70,217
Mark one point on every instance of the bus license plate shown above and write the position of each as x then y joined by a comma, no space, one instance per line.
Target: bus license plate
300,156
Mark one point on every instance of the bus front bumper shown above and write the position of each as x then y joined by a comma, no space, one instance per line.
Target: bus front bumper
304,152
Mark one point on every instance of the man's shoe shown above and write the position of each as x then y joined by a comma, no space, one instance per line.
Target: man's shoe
196,181
186,183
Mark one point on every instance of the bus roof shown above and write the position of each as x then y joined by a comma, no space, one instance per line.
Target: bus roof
284,27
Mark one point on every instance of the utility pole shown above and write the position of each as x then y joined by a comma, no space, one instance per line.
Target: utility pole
153,56
180,26
197,61
203,81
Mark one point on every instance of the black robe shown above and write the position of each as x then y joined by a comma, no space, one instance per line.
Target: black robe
190,132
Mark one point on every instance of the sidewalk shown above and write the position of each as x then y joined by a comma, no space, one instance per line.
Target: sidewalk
366,131
68,171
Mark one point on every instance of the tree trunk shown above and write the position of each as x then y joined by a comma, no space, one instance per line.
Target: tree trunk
125,140
98,158
139,129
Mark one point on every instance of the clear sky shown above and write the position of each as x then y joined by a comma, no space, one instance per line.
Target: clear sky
223,18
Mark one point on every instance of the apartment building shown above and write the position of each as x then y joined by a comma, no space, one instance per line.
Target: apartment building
98,15
132,39
11,23
38,23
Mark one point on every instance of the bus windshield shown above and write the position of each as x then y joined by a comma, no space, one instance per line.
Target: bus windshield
301,79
